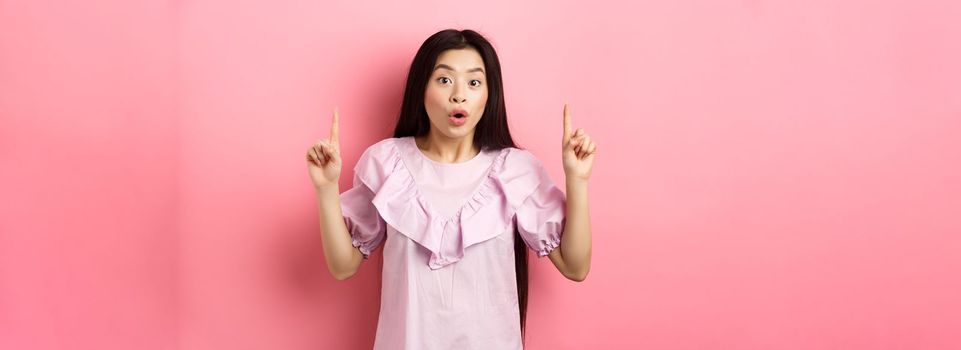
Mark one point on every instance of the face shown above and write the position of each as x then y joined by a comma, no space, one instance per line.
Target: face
456,93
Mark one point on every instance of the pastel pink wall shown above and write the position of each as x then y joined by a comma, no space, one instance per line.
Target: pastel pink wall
89,179
771,175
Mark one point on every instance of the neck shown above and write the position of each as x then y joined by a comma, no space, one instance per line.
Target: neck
447,150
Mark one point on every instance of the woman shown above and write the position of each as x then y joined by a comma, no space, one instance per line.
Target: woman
456,205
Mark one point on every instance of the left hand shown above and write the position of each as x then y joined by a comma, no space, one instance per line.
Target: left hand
578,150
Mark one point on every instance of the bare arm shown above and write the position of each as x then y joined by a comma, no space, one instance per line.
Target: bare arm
573,257
324,164
343,259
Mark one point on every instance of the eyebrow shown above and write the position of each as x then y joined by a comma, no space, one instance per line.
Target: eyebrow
478,69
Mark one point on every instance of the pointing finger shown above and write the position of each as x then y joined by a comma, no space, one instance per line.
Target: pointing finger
334,128
567,123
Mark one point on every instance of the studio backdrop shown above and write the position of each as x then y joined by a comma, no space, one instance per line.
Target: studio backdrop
770,174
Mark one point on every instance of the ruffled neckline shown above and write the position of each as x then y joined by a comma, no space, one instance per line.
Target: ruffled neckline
487,213
478,196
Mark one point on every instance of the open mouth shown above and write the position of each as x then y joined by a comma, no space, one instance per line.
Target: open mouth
458,117
458,113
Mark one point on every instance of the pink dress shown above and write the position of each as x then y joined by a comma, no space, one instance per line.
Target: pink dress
448,233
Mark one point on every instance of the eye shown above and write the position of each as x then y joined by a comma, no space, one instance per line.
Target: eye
443,80
473,81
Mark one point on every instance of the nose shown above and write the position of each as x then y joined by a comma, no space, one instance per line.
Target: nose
456,96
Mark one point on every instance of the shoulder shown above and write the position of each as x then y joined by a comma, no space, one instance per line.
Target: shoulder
521,165
383,151
520,174
521,161
378,161
382,147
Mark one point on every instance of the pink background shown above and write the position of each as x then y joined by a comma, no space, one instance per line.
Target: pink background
771,175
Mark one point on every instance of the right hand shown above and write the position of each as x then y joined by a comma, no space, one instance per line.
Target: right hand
323,158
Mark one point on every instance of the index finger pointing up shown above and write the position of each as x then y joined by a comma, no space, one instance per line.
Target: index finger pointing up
334,126
567,123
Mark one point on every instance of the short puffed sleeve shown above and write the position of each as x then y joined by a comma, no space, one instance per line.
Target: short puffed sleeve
365,224
540,207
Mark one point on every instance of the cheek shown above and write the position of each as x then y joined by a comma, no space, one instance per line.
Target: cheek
434,102
433,97
481,99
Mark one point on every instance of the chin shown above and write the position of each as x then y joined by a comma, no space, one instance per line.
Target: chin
453,132
458,133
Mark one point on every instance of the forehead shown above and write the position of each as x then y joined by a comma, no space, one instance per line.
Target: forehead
461,59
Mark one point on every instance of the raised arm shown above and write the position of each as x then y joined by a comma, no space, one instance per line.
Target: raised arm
324,165
573,257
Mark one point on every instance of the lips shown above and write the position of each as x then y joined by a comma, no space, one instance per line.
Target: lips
458,113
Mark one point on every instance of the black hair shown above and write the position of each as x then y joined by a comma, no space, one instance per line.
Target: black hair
491,132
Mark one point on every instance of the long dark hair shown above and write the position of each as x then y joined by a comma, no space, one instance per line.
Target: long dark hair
491,133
